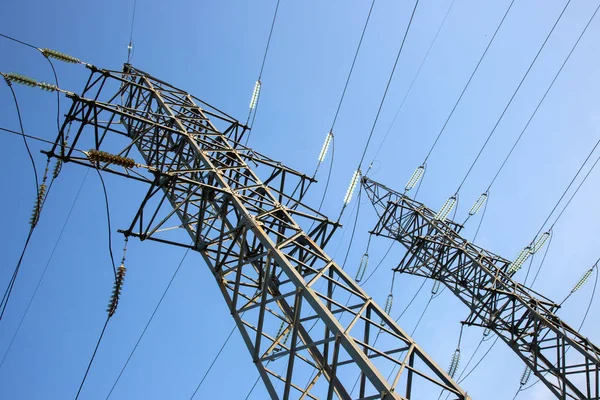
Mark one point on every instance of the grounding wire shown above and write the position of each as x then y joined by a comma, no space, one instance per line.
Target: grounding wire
149,322
515,93
469,81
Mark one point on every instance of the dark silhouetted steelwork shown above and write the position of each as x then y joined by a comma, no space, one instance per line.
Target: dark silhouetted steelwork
565,361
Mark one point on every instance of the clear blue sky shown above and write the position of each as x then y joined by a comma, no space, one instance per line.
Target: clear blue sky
214,50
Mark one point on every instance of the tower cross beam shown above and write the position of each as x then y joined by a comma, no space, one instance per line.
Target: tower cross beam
565,361
244,213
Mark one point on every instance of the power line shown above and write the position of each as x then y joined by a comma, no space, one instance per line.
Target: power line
468,82
515,94
388,84
9,288
213,362
539,103
130,46
45,270
148,323
92,358
262,66
352,66
408,91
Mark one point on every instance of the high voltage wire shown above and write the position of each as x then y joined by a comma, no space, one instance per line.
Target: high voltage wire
256,95
9,288
62,230
515,94
366,147
408,91
468,82
130,45
148,323
542,99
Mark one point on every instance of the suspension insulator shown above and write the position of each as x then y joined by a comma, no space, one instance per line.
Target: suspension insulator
20,79
49,53
57,168
255,93
287,336
414,179
436,287
478,204
37,207
521,258
525,376
388,303
362,267
446,208
102,156
454,363
486,332
325,147
583,280
352,187
540,242
116,293
49,87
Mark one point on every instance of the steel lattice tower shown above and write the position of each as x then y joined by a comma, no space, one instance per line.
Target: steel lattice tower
565,361
244,214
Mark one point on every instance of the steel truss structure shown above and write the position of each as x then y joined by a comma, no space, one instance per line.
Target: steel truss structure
311,331
565,361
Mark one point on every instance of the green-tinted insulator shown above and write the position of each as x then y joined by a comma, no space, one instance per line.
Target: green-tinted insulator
60,56
47,86
436,287
583,280
362,267
525,376
454,363
21,79
37,207
57,168
388,303
540,242
286,337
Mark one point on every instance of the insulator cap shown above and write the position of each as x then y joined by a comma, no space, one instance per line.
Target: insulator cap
21,79
521,258
478,204
454,363
446,208
325,147
583,280
255,94
362,267
414,179
102,156
60,56
525,376
436,287
540,242
352,187
116,292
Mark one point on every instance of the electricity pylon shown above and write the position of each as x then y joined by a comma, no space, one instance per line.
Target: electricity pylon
565,361
244,214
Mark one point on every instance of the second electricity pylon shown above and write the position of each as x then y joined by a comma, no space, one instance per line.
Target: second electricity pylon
243,213
565,361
